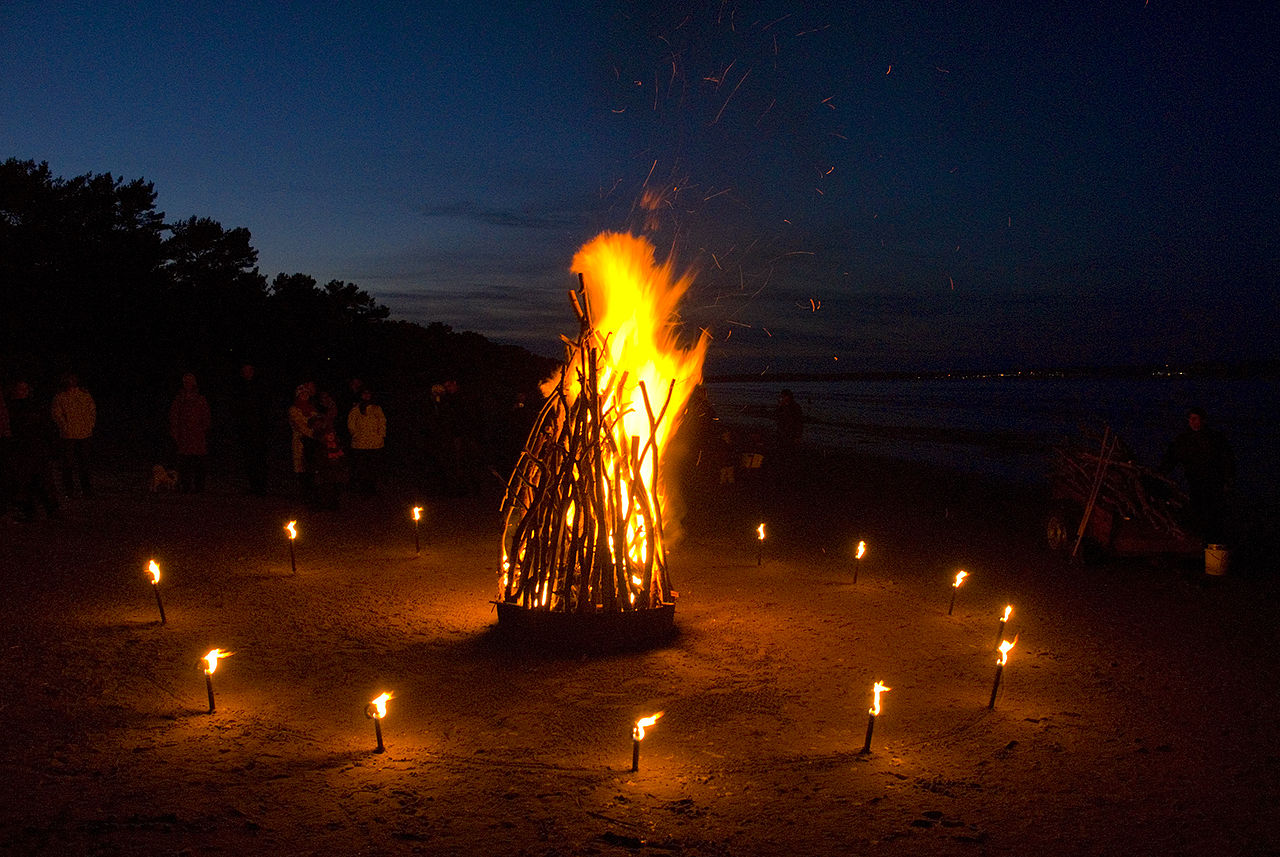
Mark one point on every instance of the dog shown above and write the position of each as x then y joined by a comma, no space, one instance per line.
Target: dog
163,479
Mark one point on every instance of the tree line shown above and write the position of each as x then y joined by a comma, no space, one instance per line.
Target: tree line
94,279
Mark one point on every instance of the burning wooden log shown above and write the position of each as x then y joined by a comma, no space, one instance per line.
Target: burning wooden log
584,509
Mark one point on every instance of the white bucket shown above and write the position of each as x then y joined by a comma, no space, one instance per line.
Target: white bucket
1216,558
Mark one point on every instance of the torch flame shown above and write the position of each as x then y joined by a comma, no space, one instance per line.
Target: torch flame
960,576
1005,646
292,529
645,722
1008,611
760,531
862,550
417,513
379,705
155,571
877,689
211,659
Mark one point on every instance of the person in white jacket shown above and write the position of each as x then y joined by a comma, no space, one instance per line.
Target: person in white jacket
368,426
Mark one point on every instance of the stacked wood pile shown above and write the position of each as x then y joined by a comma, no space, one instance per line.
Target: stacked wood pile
582,511
1106,476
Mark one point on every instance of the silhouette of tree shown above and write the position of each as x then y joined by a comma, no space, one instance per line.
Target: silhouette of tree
214,294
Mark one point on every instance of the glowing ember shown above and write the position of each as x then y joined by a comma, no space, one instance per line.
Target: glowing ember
862,550
584,509
155,571
960,576
644,723
878,689
1005,646
212,658
292,529
379,705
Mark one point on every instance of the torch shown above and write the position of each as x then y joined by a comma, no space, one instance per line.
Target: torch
211,664
1005,646
375,711
760,544
292,529
877,689
417,516
155,586
858,555
1008,611
637,735
955,587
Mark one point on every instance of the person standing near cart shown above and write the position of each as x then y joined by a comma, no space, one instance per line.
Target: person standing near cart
1209,466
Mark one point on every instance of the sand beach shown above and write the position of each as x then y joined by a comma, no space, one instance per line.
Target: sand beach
1136,713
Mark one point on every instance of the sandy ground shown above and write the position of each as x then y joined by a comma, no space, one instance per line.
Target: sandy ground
1137,713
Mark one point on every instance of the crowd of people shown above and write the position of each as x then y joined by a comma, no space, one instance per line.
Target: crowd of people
336,443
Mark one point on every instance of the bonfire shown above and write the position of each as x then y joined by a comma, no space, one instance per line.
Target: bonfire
583,512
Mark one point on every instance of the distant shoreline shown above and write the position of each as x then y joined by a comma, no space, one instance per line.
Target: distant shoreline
1240,369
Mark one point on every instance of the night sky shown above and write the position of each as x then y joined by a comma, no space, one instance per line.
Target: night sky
871,186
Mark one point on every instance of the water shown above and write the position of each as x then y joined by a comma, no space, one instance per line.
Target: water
1007,426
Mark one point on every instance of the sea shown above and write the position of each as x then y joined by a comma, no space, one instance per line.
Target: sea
1007,426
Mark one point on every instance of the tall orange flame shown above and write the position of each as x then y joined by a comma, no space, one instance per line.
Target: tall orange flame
154,568
862,550
292,529
379,705
1005,646
960,576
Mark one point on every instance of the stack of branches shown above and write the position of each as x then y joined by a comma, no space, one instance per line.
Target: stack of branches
582,526
1124,487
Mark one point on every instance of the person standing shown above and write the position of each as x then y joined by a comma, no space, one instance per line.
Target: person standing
302,412
368,427
29,455
189,421
249,409
75,414
1209,466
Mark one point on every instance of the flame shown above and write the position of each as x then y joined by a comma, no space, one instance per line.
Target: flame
1008,611
1005,646
211,659
877,689
155,571
960,576
862,550
379,705
632,360
632,301
417,513
292,529
643,723
760,531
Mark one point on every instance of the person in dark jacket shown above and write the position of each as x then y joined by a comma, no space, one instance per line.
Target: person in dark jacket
30,454
189,421
1209,466
250,407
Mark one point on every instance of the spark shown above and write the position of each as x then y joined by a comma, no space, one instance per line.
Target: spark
889,69
827,101
730,98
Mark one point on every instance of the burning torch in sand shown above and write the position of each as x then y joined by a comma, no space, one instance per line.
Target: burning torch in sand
154,569
955,587
637,735
876,689
1004,619
417,516
292,529
760,544
1005,646
858,555
375,711
211,664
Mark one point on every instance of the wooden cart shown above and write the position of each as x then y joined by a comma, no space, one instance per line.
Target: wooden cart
1102,500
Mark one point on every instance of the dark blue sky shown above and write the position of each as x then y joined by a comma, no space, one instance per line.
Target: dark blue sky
890,185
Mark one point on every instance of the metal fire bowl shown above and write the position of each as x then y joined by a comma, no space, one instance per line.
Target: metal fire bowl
585,632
